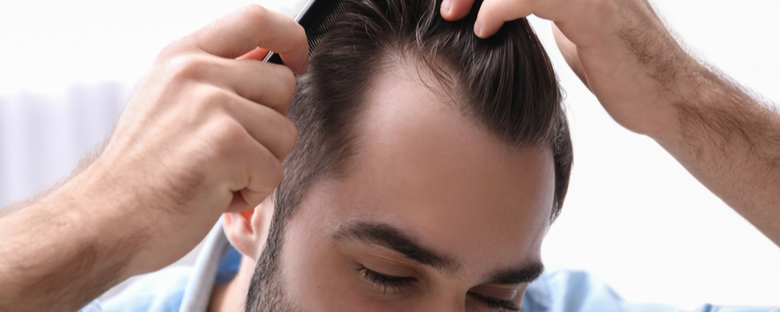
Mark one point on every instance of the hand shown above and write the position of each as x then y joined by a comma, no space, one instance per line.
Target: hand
724,136
619,48
204,133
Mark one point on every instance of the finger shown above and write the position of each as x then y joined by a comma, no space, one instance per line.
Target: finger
265,174
258,54
569,51
271,85
493,14
253,26
453,10
266,126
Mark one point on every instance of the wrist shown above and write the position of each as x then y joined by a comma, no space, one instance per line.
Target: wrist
693,86
132,217
95,205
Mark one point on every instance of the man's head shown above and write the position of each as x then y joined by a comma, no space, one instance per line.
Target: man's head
429,166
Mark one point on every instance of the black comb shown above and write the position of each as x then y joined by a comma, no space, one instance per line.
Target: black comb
315,18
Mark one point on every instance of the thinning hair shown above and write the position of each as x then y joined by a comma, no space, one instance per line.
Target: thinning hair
505,83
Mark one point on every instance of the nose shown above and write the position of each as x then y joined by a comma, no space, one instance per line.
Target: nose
444,303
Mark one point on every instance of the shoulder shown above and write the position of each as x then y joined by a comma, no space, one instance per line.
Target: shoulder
160,291
580,291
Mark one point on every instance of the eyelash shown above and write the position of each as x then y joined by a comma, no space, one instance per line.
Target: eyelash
387,283
495,303
400,283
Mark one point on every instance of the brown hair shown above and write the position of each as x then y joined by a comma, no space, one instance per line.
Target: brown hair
506,83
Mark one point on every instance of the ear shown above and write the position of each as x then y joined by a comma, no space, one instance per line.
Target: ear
247,231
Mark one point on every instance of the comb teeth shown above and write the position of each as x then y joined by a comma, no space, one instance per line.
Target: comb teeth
318,18
316,21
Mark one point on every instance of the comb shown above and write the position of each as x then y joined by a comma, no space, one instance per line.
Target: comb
315,18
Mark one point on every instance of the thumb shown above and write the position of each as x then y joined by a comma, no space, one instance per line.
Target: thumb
569,51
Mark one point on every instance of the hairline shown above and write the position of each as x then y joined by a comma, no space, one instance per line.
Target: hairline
424,71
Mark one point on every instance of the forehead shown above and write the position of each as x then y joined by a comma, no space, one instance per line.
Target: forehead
425,168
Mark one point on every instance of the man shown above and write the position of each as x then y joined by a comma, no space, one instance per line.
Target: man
419,180
151,211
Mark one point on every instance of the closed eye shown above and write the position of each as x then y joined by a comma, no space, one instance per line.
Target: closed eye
395,284
387,283
495,303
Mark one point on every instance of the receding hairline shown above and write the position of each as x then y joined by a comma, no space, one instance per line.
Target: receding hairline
434,72
410,63
490,72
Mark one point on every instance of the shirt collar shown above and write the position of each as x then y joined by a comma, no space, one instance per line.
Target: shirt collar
198,290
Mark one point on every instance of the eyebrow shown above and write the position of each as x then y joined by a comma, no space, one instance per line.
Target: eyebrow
392,238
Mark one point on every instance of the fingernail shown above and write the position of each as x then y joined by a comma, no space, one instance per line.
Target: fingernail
445,7
477,28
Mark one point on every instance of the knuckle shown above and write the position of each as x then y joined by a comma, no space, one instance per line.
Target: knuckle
255,14
287,79
208,100
268,167
292,136
175,49
216,97
169,51
287,132
228,135
189,67
275,173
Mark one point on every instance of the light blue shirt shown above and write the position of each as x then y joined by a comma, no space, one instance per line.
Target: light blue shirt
188,289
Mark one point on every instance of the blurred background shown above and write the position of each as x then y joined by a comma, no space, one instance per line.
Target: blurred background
633,217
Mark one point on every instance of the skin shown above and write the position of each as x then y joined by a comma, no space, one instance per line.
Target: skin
430,172
204,133
725,137
184,151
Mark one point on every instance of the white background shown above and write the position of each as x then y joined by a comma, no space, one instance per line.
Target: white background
634,217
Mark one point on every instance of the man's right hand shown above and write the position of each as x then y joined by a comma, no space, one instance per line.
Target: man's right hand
204,133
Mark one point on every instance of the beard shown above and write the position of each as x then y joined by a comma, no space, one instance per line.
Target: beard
267,291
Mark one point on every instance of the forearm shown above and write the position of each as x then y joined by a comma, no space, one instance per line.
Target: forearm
189,146
623,52
730,141
56,255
